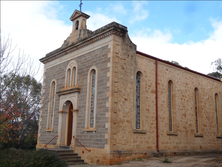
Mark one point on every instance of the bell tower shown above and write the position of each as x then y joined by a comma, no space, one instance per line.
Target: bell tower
79,30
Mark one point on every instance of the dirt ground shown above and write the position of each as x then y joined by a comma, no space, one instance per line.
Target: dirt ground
208,160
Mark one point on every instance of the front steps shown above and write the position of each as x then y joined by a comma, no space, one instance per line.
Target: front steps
68,155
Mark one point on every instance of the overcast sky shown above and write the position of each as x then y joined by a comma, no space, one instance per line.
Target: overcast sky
184,31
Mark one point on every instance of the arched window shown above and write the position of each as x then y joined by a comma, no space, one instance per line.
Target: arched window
216,111
170,85
92,97
68,82
74,76
52,105
138,79
71,74
77,24
196,96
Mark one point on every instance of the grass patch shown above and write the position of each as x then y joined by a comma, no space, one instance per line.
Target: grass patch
166,160
138,159
27,158
119,163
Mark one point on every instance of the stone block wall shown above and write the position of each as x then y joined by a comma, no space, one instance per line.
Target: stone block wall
98,58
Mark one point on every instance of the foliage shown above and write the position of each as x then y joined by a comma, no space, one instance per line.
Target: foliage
20,96
119,163
218,65
218,68
166,160
175,62
20,105
27,158
138,159
215,75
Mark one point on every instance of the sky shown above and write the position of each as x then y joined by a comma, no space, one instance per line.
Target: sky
189,32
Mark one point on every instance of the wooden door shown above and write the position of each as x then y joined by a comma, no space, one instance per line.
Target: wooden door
70,120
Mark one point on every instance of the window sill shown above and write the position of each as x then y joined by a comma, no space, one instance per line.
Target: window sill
219,136
69,90
198,135
89,130
49,130
139,131
172,133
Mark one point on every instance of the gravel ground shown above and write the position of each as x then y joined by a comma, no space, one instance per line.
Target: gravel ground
209,160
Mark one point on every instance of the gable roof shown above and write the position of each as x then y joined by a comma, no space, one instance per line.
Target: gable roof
77,14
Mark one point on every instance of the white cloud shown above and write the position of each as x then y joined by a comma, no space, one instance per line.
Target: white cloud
98,20
138,12
33,27
194,55
117,8
217,33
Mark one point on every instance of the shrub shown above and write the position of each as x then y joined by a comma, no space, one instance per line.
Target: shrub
27,158
166,160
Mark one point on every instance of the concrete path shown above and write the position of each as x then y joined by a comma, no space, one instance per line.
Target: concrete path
209,160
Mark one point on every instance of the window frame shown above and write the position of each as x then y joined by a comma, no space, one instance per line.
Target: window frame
217,113
197,113
70,79
88,99
136,94
142,102
171,109
170,105
51,106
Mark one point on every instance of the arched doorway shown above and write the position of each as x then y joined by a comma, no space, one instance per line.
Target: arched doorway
70,124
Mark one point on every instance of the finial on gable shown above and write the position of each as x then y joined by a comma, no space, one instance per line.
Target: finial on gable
80,5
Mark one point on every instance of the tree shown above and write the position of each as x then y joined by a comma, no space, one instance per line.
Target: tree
21,105
175,62
218,67
20,97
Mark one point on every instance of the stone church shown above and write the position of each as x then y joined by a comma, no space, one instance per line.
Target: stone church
123,104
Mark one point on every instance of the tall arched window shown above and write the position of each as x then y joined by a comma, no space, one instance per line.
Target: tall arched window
71,74
216,111
196,96
74,76
52,105
92,97
138,79
170,85
68,82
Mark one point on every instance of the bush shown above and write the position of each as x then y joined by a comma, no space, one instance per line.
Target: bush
29,143
27,158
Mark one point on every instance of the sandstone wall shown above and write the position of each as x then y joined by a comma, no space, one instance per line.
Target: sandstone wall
184,83
126,141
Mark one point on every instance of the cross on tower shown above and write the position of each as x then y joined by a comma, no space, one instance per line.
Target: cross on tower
80,5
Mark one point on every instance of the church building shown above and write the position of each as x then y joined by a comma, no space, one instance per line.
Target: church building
122,104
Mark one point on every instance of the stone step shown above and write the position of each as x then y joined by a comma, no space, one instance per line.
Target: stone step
75,160
76,163
61,150
69,156
67,153
64,147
